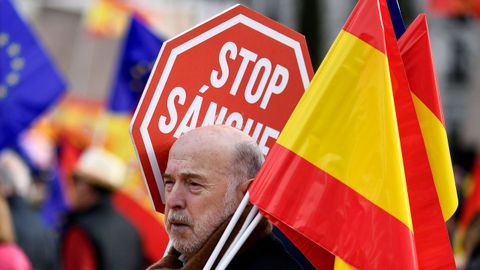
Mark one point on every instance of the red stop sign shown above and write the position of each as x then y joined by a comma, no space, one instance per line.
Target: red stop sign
239,68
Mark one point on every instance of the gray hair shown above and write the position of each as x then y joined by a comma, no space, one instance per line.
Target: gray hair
247,161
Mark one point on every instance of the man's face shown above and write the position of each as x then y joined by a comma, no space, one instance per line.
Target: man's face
84,196
198,199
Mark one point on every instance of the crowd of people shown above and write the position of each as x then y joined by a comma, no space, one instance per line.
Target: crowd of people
208,172
93,234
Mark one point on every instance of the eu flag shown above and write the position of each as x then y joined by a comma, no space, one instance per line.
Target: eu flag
140,50
29,82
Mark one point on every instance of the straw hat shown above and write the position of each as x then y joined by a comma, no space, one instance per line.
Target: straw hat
101,168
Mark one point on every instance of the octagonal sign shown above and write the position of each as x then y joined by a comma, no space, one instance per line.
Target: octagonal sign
238,68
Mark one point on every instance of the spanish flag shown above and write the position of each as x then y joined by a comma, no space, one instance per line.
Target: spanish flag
335,178
416,53
428,169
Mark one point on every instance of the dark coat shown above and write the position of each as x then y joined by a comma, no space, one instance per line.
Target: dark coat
116,241
267,253
261,251
38,243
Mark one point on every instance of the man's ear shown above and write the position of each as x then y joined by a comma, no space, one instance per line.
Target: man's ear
243,187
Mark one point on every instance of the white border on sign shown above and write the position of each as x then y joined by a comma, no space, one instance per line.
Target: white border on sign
164,44
295,45
134,119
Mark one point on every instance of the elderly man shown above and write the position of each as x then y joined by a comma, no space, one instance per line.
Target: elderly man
207,174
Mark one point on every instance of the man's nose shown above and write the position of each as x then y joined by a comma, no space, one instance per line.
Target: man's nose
175,199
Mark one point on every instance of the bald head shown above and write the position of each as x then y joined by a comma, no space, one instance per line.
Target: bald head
214,138
241,154
203,182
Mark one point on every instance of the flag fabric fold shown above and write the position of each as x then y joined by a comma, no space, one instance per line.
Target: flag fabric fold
431,236
140,49
362,167
338,163
29,80
417,57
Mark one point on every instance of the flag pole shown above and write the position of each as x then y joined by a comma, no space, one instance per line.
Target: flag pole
169,245
228,257
248,220
227,232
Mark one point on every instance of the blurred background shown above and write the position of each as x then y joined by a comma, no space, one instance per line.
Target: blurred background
99,51
85,37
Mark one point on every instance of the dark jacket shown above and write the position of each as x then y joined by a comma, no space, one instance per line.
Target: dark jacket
116,242
261,251
267,253
38,243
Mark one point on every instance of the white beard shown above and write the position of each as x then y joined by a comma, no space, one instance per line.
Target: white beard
203,228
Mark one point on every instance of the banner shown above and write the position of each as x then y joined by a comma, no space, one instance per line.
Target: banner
140,49
29,80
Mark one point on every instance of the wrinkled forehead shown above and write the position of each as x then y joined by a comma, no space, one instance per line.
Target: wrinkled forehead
200,152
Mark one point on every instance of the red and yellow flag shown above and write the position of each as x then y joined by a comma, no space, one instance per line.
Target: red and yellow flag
335,177
417,56
428,168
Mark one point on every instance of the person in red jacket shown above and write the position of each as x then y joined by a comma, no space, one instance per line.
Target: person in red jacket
96,236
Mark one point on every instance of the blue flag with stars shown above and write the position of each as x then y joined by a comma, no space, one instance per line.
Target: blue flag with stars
29,82
140,50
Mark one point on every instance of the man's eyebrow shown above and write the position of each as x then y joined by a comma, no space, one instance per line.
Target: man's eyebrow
192,175
185,175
